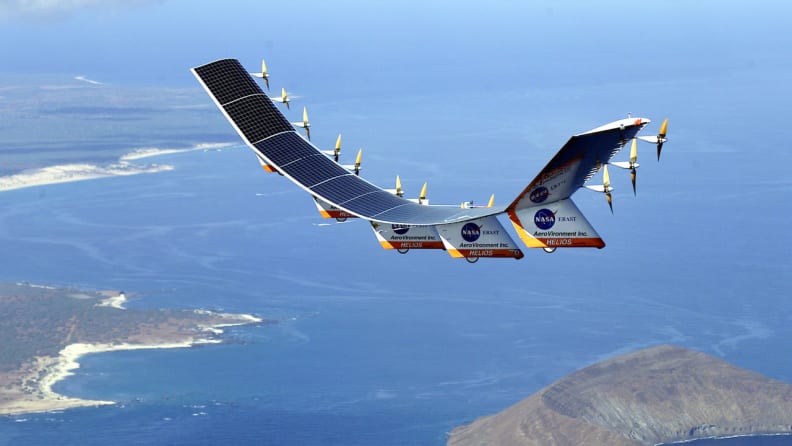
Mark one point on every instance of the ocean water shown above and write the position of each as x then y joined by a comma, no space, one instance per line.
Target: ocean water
372,347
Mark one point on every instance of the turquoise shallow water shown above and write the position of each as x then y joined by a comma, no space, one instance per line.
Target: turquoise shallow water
369,347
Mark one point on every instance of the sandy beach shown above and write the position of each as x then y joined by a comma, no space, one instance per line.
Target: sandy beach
74,172
117,301
67,173
36,394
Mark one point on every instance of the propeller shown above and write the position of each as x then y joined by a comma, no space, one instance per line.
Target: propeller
357,162
355,167
337,149
263,74
399,192
283,99
659,139
304,124
632,164
491,201
422,196
605,187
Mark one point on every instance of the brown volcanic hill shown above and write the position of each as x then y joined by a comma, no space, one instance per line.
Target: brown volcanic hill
658,395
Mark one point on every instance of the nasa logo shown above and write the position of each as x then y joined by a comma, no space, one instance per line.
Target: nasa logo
400,229
539,194
471,232
544,219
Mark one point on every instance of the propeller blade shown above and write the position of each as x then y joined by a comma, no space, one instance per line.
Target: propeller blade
491,201
661,137
284,98
337,150
399,191
422,196
606,186
264,73
633,164
358,159
663,129
306,125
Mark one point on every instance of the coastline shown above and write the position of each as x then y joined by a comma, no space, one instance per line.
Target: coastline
153,151
727,437
114,301
68,173
36,394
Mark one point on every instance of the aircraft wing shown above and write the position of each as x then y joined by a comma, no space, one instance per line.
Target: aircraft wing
265,130
577,161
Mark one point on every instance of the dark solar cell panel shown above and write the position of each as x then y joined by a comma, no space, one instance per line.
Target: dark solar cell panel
314,170
257,117
227,80
285,148
373,203
341,189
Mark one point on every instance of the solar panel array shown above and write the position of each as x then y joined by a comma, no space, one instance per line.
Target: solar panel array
267,131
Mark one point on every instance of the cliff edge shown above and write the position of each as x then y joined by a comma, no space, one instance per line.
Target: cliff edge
658,395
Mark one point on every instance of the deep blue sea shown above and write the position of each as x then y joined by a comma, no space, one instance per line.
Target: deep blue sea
372,347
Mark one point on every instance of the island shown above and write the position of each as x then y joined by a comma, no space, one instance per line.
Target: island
45,330
659,395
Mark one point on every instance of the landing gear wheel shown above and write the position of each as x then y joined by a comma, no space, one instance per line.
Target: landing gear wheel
471,259
549,250
341,219
403,250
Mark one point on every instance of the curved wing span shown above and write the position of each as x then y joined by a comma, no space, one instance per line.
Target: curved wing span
543,214
265,130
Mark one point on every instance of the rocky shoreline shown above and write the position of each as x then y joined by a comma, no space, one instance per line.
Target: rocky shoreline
655,396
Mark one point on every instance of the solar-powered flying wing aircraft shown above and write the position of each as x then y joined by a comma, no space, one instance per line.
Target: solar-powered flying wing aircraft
543,214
